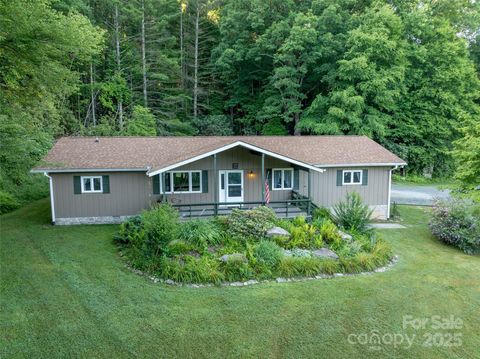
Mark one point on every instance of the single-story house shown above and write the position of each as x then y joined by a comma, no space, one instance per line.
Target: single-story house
107,179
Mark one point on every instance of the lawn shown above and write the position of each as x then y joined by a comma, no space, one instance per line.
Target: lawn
66,293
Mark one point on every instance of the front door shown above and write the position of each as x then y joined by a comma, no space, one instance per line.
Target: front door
230,186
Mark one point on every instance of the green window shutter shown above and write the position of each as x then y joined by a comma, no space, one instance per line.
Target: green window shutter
204,181
106,184
296,179
365,178
269,177
339,177
156,184
77,186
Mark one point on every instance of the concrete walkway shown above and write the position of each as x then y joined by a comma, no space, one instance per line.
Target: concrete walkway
417,195
387,225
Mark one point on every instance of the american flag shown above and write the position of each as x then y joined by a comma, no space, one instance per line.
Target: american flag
267,192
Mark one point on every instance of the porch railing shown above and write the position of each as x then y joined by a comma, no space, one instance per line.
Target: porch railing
288,208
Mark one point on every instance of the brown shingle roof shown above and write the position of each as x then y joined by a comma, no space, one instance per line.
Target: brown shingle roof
158,152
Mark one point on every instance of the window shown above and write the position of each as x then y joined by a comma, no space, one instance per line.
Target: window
92,184
183,182
282,178
352,177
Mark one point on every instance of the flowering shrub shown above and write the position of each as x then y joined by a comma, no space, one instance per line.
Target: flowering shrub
454,223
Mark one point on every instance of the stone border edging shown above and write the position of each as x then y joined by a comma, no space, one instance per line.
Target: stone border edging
170,282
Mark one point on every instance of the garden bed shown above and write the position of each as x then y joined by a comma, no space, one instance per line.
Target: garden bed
244,246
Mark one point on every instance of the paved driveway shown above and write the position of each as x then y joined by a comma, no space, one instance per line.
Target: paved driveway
420,195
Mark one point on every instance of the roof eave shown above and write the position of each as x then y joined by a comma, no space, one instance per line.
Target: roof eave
82,170
230,146
366,164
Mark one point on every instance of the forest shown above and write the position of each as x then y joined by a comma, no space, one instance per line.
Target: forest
403,72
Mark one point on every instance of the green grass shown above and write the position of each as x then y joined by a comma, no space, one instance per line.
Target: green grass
66,293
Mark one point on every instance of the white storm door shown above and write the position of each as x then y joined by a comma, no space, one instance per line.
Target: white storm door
230,186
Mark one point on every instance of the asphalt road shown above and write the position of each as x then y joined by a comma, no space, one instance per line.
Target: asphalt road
419,195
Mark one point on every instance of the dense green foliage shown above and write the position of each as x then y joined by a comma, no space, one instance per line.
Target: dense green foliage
236,247
405,73
454,222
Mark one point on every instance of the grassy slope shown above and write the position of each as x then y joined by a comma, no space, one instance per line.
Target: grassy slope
65,292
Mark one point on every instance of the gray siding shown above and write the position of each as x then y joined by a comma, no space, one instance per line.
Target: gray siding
325,191
130,192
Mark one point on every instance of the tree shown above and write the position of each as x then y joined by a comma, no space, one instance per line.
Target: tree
367,83
142,123
38,73
467,155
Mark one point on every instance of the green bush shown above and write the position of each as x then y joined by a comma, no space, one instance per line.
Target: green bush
302,234
328,230
321,213
454,223
7,202
236,268
269,253
201,233
253,224
130,231
190,270
353,214
161,226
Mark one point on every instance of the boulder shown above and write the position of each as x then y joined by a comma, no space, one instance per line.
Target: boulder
325,253
277,232
233,257
345,236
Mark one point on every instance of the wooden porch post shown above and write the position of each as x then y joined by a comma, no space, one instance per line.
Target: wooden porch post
215,186
263,178
164,197
309,192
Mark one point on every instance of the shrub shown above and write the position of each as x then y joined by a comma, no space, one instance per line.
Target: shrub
190,270
269,253
328,231
321,213
200,233
453,223
252,223
352,214
302,234
236,269
161,226
7,202
130,231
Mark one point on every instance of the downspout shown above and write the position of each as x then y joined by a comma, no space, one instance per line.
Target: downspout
52,205
390,189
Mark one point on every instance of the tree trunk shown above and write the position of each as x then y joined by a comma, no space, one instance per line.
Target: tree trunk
144,62
195,75
296,118
92,96
182,66
117,48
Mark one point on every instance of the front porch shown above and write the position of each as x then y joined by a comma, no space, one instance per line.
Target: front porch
298,205
238,177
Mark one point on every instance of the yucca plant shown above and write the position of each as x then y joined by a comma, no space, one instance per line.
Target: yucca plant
352,214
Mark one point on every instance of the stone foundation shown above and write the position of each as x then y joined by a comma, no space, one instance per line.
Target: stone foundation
379,211
91,220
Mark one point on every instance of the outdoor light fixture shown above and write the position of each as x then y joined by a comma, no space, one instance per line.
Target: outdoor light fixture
251,174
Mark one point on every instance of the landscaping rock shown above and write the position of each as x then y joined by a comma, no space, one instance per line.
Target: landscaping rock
236,284
169,282
345,236
250,282
277,232
325,253
233,257
281,280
